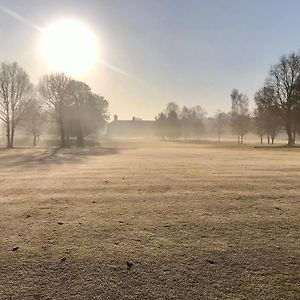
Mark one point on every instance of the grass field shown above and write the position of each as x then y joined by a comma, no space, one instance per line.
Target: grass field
196,221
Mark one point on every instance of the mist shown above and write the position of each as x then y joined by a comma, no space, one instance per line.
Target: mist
149,150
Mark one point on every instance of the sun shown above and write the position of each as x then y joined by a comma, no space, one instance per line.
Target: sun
69,46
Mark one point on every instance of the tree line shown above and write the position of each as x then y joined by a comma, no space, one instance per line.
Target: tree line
174,122
57,99
277,108
277,103
188,122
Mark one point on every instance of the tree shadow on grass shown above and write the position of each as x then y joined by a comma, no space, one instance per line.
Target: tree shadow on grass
26,157
278,147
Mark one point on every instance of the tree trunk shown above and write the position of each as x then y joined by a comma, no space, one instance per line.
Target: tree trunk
261,139
290,139
238,139
62,136
289,128
34,140
8,135
219,137
289,132
13,126
61,126
273,138
79,138
242,137
62,133
268,139
294,133
12,136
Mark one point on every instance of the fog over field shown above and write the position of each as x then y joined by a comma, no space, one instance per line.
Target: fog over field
196,222
149,150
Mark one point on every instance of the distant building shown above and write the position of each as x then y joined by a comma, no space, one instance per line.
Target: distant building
130,128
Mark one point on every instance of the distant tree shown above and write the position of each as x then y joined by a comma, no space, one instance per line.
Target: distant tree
198,116
191,120
174,122
97,114
34,120
161,123
15,93
221,120
168,123
266,115
240,118
172,106
283,79
173,125
259,123
187,122
55,93
274,126
84,112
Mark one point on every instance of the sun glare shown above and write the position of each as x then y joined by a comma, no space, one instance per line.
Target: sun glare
69,46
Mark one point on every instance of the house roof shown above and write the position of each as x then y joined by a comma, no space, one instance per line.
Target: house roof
131,121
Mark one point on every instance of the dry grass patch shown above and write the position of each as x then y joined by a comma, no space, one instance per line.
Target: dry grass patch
197,221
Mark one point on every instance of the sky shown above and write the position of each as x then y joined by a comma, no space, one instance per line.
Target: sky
192,52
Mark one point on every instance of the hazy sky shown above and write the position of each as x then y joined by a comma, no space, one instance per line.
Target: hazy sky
192,52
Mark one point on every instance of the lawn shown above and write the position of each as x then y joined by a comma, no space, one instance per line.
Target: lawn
150,220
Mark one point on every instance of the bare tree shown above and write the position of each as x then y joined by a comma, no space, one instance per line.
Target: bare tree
191,120
283,79
221,120
186,121
55,92
259,123
198,117
266,115
15,93
34,120
239,114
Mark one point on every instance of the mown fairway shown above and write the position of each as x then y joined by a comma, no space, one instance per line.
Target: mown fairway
197,221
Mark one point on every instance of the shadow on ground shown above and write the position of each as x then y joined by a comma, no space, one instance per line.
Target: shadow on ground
22,157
